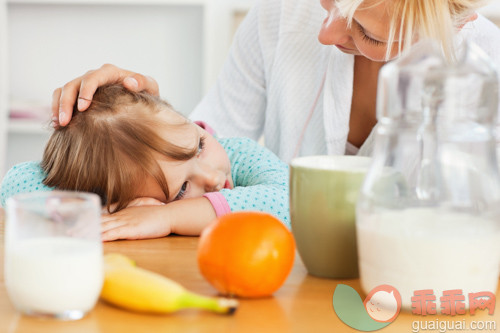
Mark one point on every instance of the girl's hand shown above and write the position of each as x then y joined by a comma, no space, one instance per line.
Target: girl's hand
84,87
112,225
136,222
150,218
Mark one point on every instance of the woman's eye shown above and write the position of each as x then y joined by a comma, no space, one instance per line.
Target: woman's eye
182,191
201,145
368,39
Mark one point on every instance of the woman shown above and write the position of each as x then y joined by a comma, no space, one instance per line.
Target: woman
308,97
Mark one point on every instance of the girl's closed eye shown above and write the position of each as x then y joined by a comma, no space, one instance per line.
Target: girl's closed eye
184,188
201,145
182,191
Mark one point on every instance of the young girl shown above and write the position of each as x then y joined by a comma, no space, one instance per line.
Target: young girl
156,172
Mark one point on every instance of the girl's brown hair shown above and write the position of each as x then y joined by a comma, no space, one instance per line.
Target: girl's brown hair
112,147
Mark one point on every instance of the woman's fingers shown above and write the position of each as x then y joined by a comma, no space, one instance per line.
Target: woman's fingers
81,90
93,79
67,98
144,83
131,83
56,95
109,74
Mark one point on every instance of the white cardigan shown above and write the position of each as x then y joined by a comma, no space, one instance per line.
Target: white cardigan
275,71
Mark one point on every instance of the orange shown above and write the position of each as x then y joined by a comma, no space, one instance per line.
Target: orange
246,254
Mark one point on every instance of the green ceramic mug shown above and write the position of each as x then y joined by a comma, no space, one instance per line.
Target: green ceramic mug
323,195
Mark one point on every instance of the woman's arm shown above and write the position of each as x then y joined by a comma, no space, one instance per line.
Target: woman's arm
236,104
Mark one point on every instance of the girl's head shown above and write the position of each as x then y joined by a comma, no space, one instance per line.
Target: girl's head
381,29
129,145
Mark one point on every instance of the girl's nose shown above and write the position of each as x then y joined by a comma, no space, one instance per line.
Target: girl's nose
210,178
334,30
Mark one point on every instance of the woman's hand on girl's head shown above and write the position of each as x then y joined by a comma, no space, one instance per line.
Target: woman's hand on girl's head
84,87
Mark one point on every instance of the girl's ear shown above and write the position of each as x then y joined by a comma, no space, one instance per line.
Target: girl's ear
471,18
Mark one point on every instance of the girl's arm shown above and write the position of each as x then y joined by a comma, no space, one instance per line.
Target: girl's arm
260,178
22,178
184,217
144,219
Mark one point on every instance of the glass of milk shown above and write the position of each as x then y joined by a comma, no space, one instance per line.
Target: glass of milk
428,215
53,253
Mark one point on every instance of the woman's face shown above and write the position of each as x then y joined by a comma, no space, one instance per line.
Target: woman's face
367,36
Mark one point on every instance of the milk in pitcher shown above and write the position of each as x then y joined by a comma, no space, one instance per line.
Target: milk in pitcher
422,248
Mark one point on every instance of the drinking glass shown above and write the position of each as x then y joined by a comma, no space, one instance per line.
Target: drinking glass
53,253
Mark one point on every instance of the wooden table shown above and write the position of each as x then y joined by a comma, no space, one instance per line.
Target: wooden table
302,304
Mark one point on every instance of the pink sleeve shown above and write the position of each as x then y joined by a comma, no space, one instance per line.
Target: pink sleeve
218,202
205,126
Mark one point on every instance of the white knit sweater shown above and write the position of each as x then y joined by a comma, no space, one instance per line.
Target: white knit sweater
274,73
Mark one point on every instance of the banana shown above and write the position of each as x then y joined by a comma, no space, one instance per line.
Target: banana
134,288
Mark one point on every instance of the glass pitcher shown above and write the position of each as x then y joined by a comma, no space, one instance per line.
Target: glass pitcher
428,216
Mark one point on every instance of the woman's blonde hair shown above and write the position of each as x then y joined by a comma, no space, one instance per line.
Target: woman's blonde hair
412,19
110,148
